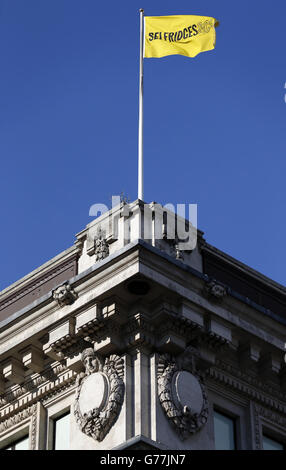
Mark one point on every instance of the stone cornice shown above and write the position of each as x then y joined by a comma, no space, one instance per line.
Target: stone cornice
271,416
40,388
39,273
84,276
206,278
247,385
244,268
20,416
76,282
132,260
50,274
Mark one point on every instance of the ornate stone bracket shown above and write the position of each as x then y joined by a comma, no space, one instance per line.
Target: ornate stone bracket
99,395
181,393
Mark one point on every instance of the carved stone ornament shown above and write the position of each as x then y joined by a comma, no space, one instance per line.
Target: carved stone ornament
101,247
99,394
64,295
178,252
215,290
174,247
182,396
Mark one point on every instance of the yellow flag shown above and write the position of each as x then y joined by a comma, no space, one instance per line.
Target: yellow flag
182,34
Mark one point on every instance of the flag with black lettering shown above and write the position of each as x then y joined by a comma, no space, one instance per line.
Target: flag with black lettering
186,35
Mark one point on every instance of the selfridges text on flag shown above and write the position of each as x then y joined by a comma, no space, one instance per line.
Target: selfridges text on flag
186,35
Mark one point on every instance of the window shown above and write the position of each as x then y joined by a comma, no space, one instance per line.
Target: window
271,444
22,444
62,432
224,432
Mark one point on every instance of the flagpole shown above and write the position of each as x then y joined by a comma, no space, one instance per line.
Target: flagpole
140,122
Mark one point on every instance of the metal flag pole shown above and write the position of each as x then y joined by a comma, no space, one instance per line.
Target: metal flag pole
140,123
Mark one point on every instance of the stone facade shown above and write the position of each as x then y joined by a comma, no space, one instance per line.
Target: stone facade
142,341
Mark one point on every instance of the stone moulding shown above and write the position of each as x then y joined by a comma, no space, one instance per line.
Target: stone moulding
34,284
32,385
248,386
257,429
30,411
184,418
102,382
270,415
43,393
34,423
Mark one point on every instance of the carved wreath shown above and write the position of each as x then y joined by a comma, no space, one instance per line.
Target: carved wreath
97,422
184,420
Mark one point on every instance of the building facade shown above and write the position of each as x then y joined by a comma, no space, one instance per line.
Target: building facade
129,340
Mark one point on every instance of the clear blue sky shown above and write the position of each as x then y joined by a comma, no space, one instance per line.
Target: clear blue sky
214,125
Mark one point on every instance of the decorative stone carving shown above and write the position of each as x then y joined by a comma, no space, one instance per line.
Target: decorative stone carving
64,294
18,418
99,238
98,244
270,415
101,248
99,395
179,253
174,245
66,385
33,428
215,290
247,385
36,389
182,394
